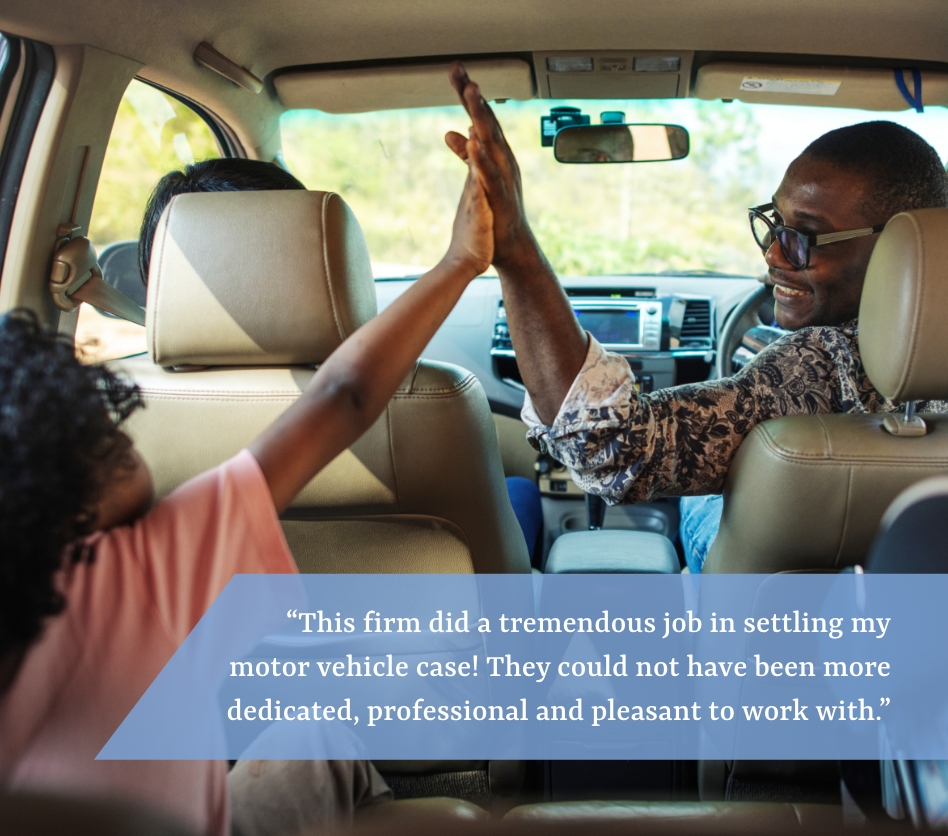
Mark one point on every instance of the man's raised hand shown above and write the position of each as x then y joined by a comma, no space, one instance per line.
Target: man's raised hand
496,167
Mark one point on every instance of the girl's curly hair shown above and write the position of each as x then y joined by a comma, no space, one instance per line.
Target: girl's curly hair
59,444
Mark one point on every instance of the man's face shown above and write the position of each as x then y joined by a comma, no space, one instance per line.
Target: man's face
816,197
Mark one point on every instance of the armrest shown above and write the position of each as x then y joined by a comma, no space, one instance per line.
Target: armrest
607,552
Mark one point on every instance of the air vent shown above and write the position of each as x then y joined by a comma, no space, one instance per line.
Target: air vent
612,292
697,319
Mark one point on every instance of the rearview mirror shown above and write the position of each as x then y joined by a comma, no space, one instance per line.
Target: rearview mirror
621,144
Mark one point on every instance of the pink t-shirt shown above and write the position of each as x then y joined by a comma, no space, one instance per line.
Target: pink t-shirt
126,613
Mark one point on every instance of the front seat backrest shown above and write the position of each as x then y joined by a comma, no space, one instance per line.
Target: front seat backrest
248,291
808,492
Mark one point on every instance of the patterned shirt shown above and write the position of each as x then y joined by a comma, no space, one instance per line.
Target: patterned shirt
630,447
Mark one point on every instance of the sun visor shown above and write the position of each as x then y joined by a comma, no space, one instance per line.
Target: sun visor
391,88
872,89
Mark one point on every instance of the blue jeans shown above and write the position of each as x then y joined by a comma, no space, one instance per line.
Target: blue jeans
525,499
700,520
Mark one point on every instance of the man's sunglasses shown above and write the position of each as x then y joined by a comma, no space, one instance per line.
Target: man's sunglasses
796,245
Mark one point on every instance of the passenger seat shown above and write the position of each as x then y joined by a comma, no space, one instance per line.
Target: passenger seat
248,292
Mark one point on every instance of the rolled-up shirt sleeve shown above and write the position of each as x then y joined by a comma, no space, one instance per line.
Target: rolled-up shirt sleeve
602,388
631,447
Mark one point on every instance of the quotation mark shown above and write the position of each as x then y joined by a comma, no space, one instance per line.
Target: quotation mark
292,614
884,701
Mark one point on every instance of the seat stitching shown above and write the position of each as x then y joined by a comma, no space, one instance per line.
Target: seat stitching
215,399
846,517
826,439
458,387
798,457
158,284
796,812
332,296
224,393
391,454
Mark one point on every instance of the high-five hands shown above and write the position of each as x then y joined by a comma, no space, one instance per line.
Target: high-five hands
495,165
472,237
550,344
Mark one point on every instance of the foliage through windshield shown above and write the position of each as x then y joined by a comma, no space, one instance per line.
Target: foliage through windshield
402,182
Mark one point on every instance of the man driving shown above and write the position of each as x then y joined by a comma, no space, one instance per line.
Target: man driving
816,235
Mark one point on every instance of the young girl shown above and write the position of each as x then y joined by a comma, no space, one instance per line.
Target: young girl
97,591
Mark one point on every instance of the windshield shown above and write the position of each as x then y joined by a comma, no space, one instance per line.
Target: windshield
685,216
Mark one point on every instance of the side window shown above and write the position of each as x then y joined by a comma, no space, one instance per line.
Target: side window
152,135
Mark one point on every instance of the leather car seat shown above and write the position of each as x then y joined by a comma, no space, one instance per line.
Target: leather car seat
248,292
808,492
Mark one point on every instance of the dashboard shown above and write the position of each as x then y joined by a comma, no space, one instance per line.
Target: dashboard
665,326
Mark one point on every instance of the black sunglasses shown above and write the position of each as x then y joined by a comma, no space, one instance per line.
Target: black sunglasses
796,245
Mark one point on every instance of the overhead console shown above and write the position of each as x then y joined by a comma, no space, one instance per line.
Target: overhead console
653,332
613,74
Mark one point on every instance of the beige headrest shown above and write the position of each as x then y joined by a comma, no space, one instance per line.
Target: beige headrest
903,336
256,278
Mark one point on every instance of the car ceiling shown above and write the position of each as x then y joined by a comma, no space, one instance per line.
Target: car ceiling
267,36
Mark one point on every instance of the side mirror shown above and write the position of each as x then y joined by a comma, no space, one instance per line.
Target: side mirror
613,143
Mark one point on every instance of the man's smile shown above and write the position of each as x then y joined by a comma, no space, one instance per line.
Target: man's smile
782,290
786,291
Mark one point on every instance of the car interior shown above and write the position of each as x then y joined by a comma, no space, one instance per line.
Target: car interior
249,292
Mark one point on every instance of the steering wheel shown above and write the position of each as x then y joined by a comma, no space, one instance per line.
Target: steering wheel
738,321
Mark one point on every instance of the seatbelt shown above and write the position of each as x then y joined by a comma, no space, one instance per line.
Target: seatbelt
76,277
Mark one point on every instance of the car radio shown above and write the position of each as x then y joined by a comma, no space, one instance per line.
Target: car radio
666,339
621,325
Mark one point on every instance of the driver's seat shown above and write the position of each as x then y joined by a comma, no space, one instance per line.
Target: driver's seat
807,493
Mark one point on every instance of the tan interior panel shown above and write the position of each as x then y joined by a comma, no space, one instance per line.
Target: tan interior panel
61,172
391,88
613,74
814,86
264,37
516,453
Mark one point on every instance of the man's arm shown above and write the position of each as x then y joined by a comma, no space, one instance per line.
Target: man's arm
680,441
352,387
546,336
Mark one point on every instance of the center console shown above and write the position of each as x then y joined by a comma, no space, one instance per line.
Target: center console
666,340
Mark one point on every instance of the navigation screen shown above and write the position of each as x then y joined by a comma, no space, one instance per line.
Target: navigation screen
610,326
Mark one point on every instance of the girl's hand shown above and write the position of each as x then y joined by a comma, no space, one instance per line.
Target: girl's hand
498,171
472,239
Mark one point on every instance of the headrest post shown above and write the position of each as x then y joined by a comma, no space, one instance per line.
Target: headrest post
909,425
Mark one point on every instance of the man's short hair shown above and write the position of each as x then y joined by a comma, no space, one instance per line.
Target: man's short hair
226,174
906,171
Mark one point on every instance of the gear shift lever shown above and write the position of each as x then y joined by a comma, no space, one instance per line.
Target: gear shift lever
595,511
